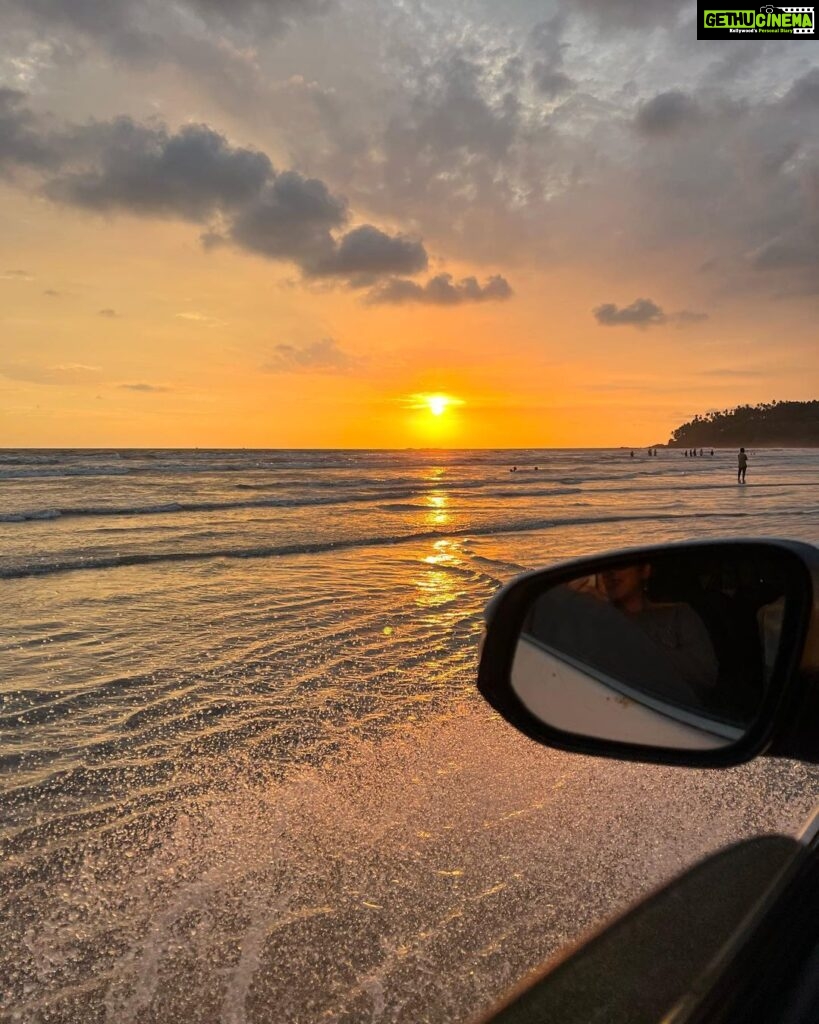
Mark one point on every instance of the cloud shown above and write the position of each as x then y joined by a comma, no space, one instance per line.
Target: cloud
641,313
291,219
20,144
550,82
323,356
143,169
16,275
109,313
644,313
146,389
367,252
51,293
804,92
790,250
294,218
666,113
451,130
439,291
547,72
196,174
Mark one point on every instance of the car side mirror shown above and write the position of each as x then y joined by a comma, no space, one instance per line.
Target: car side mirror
681,654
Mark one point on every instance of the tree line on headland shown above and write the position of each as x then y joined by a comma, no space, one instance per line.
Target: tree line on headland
769,425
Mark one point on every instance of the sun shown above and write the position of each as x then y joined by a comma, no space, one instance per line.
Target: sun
438,404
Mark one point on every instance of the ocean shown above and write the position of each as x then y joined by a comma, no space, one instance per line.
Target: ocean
246,775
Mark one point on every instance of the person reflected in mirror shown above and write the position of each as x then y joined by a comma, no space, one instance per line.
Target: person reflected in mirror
742,466
674,626
610,624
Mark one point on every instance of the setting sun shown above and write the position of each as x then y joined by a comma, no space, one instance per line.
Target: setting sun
436,403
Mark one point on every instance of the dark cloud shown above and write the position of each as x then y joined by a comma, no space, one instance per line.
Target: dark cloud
439,291
109,313
644,313
20,144
550,82
665,113
146,389
366,253
791,250
291,219
641,313
124,165
52,293
196,174
16,275
805,91
547,70
323,356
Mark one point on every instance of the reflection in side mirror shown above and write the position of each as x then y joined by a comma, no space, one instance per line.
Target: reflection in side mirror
672,651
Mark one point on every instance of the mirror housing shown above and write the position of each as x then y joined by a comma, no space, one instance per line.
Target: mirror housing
544,668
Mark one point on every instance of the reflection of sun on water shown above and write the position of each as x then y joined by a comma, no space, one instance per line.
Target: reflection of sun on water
438,514
444,553
437,586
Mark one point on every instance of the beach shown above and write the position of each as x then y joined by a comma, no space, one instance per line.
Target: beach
246,773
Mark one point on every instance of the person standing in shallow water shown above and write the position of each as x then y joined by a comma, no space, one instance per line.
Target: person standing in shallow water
742,465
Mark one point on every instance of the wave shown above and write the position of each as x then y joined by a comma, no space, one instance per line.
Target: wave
189,506
163,508
321,547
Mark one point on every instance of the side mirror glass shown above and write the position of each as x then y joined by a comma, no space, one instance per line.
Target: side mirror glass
674,649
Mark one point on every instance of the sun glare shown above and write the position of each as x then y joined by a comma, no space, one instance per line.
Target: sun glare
435,403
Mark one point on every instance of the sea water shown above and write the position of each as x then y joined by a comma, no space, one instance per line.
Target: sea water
246,775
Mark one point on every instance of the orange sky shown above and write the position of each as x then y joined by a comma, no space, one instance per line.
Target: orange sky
121,328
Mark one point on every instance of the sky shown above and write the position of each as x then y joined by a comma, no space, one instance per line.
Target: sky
287,223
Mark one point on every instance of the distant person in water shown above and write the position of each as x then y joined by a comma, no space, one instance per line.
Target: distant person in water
632,455
742,465
712,453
